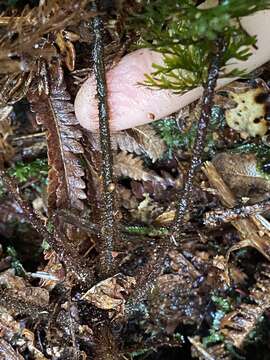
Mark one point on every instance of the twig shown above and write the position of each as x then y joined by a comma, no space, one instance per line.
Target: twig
220,216
251,230
207,103
107,216
201,350
6,20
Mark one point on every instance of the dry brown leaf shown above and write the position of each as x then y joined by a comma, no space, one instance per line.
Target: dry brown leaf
254,230
236,275
215,352
29,339
8,326
9,280
30,27
166,218
11,330
241,174
6,149
67,49
54,268
7,352
34,295
126,165
126,198
146,210
236,325
25,43
5,111
55,112
141,140
109,294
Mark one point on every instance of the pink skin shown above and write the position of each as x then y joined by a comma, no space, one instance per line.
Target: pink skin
131,104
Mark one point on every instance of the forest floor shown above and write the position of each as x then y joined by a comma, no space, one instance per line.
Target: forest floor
211,294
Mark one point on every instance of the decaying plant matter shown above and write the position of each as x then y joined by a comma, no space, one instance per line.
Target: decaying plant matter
146,243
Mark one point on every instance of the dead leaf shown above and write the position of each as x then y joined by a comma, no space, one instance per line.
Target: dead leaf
7,352
67,49
254,230
9,280
241,174
214,352
109,294
146,211
8,326
126,165
166,218
238,324
29,338
6,149
54,268
5,111
31,27
34,295
141,140
13,331
55,112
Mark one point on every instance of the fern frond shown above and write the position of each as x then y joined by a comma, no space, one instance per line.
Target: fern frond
186,34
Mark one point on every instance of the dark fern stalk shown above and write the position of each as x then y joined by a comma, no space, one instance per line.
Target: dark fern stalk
154,267
202,127
29,214
107,216
147,280
55,239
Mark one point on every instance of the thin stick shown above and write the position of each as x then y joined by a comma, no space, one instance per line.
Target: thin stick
207,104
107,216
220,216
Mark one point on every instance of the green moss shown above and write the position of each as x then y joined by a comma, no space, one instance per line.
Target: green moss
15,262
141,352
221,303
223,306
35,173
45,245
37,170
170,133
50,227
147,231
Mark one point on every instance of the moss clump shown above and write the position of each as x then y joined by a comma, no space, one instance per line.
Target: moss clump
174,139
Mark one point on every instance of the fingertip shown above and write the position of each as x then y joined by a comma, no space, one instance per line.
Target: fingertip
131,104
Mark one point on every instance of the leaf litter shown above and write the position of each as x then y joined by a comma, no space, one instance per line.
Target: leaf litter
219,262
